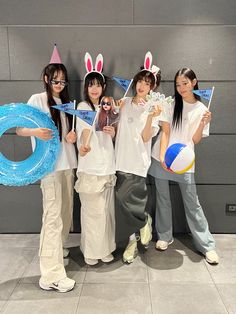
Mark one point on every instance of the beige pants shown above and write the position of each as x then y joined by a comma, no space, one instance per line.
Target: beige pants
97,214
57,190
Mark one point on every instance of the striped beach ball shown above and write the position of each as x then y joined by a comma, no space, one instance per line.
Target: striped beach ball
179,158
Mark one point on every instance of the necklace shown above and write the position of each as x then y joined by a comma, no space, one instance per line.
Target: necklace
135,101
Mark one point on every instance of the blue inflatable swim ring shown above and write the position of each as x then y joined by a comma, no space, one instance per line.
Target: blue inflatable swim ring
43,159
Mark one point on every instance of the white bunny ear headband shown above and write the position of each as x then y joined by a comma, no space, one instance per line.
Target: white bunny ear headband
89,65
148,65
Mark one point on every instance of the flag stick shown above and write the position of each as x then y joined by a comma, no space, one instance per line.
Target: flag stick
73,121
126,92
209,104
91,129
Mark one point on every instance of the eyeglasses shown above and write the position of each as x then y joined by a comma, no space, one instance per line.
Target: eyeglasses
104,103
62,83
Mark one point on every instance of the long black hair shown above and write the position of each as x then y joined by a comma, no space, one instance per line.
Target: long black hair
178,109
91,79
50,71
147,76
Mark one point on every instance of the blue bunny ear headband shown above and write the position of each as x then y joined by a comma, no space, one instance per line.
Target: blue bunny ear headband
89,65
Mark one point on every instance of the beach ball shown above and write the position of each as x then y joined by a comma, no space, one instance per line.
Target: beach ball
179,158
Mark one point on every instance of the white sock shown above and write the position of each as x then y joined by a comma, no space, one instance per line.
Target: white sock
132,237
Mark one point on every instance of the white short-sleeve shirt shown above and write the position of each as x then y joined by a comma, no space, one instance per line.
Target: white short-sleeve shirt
101,159
67,155
133,155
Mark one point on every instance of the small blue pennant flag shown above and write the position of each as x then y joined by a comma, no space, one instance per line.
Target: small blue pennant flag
124,83
87,116
204,93
64,107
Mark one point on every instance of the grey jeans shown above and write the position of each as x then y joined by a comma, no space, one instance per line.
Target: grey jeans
196,219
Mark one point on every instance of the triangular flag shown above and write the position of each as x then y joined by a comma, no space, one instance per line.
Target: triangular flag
124,83
87,116
64,107
204,93
55,58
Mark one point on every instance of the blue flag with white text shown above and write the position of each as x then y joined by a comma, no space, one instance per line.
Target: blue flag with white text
124,83
87,116
204,93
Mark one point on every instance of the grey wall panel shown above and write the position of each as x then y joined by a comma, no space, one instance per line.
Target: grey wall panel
210,51
117,12
213,199
22,147
4,58
215,160
184,12
66,12
15,147
20,209
7,146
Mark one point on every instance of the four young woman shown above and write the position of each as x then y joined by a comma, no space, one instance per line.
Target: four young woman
107,219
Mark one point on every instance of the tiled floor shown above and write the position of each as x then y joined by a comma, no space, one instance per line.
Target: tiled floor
176,281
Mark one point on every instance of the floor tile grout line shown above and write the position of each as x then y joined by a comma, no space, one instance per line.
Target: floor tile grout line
8,300
213,281
221,297
4,306
149,287
82,287
77,307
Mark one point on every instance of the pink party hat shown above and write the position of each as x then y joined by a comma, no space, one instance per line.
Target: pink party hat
55,58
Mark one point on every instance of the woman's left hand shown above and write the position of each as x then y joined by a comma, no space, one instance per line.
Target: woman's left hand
109,130
71,137
206,118
156,111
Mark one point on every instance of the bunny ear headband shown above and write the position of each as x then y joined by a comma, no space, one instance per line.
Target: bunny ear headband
89,65
148,65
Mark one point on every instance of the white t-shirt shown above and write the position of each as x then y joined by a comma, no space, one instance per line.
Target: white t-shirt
191,117
133,155
67,156
101,159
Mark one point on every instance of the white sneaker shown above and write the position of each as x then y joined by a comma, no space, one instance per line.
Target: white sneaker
66,252
212,257
90,261
146,232
108,258
163,245
130,252
64,285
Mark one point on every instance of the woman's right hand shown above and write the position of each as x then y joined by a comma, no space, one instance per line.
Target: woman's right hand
120,103
42,133
163,164
84,150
